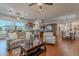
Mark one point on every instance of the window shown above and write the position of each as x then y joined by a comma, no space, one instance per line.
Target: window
6,26
20,26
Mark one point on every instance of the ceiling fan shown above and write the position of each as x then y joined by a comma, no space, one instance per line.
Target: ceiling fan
40,5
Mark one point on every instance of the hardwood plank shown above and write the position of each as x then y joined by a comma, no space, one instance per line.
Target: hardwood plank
65,47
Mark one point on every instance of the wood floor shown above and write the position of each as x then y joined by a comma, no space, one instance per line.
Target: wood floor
63,47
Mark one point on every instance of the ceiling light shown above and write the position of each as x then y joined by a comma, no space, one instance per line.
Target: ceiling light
40,10
40,5
17,18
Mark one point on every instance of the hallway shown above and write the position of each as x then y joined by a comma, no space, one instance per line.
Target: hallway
62,48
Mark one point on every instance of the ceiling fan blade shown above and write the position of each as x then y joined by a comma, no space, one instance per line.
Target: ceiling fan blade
32,4
49,3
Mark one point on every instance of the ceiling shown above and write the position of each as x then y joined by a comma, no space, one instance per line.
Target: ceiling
58,12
